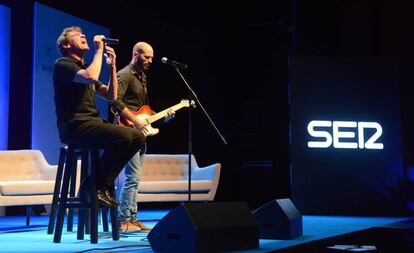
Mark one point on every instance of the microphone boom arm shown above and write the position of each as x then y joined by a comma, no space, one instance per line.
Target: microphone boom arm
201,106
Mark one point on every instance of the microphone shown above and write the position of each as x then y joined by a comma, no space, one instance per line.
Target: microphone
173,63
109,41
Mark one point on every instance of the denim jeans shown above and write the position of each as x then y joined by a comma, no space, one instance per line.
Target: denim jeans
128,206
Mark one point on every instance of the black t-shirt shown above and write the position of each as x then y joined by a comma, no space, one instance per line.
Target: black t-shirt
73,101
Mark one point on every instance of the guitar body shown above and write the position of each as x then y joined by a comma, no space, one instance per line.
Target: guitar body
143,113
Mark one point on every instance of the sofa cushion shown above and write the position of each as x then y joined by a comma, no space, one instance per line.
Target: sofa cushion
22,188
160,167
176,186
21,165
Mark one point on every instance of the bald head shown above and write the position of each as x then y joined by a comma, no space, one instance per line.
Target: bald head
142,47
142,55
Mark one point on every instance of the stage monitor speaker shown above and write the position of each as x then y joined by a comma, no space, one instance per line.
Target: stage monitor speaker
206,227
279,219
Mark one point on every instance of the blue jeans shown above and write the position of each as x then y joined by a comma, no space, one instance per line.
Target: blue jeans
128,206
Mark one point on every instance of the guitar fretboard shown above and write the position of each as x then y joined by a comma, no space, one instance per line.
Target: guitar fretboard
164,113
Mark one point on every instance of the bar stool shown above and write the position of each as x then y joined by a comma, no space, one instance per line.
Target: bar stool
58,185
61,201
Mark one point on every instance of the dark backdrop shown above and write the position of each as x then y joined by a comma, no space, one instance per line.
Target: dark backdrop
237,56
237,66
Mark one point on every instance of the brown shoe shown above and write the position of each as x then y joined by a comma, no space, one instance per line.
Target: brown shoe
127,226
141,225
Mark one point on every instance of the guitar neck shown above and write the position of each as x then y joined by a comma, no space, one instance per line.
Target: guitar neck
164,113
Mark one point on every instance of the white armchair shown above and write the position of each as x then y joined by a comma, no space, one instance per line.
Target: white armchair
165,178
26,178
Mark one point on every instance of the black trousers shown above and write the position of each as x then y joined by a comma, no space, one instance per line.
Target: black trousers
119,144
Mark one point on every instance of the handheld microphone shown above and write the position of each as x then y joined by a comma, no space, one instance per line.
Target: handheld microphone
173,63
110,41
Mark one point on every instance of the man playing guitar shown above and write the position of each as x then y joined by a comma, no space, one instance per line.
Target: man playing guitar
132,95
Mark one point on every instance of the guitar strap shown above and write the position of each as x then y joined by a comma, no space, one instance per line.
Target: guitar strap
143,79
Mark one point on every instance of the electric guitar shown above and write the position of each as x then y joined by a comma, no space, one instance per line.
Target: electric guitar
145,113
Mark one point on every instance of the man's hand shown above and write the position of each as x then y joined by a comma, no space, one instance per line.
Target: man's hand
110,56
170,115
98,42
140,124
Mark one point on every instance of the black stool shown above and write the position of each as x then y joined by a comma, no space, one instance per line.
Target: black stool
61,201
58,185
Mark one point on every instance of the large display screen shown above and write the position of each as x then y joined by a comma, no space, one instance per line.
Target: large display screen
345,136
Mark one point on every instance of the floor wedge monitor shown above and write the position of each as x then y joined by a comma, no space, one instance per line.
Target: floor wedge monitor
206,227
279,219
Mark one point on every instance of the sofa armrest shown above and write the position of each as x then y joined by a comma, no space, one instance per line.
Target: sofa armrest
205,173
49,172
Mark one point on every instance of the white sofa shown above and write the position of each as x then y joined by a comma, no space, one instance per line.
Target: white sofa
165,178
26,178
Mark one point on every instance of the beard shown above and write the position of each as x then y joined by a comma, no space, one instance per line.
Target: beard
145,67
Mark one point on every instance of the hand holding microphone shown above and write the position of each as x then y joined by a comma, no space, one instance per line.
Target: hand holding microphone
109,53
97,42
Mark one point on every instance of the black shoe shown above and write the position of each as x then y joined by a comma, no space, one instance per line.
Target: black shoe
111,198
102,198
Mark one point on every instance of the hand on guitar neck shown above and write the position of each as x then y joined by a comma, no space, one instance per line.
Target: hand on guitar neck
170,115
144,117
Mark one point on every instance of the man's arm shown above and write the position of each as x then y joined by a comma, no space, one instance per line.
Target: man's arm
110,92
91,73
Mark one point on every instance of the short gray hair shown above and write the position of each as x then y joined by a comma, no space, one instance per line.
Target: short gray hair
63,39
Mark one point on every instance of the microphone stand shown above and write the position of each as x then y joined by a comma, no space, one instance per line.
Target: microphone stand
190,144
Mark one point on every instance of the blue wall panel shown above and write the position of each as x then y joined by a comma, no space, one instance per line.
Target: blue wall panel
4,74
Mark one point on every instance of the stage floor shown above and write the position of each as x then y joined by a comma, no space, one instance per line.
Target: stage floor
319,232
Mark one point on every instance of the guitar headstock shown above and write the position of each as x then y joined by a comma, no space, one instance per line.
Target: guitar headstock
187,103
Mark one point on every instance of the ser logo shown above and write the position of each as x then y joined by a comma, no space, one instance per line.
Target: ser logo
343,134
